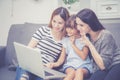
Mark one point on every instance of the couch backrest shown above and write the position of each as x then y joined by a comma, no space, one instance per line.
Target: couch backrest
114,28
21,33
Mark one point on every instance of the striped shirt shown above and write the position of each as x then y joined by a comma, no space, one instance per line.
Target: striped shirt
50,49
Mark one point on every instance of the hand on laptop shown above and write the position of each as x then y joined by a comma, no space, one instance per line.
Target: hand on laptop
50,65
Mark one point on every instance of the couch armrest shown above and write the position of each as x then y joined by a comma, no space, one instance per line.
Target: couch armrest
2,55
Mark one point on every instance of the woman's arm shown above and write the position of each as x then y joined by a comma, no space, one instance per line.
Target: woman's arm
59,62
103,53
96,56
32,43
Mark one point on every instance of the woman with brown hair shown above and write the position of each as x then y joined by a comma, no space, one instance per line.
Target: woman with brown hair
48,39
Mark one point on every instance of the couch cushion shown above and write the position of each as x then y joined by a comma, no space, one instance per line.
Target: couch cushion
2,55
5,74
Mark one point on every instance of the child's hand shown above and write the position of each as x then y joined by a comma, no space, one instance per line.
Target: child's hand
85,40
72,39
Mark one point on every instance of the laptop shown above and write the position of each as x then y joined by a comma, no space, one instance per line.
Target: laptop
30,59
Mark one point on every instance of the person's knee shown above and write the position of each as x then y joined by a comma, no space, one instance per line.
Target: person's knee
21,74
22,78
70,71
81,71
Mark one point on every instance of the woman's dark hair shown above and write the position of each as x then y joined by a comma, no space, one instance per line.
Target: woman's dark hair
63,12
90,18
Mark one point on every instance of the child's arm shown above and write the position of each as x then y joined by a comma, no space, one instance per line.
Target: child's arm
82,53
61,58
59,61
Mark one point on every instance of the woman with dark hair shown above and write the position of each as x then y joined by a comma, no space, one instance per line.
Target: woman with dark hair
48,40
104,51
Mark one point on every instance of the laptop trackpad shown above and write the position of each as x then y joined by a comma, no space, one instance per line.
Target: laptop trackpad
48,74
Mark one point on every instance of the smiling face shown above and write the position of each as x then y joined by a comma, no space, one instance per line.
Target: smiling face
57,23
71,31
82,27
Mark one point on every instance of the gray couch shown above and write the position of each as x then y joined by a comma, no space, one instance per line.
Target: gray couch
22,33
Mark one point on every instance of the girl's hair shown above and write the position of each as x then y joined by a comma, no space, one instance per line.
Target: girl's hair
71,23
90,18
63,12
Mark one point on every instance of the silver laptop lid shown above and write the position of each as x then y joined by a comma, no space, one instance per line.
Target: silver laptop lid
29,59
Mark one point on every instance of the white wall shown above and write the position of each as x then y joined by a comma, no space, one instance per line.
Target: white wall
34,11
20,11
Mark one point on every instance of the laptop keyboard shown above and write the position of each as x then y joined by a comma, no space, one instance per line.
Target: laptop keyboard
48,74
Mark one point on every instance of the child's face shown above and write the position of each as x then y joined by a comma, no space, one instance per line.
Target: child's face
71,31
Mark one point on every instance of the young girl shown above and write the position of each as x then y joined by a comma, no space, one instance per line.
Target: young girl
77,63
